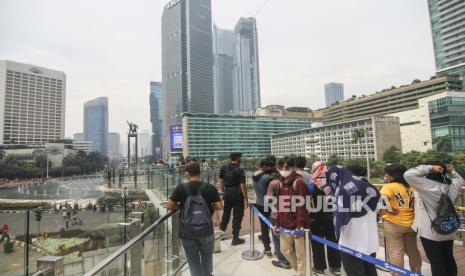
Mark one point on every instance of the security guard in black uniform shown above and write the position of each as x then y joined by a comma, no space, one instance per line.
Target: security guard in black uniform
232,183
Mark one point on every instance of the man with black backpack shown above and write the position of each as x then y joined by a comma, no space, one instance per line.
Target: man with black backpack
197,201
232,183
435,218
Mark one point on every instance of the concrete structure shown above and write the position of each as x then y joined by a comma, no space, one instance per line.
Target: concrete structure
223,51
32,104
418,125
156,117
448,29
56,152
78,137
385,102
281,111
246,72
323,141
216,136
85,146
96,124
113,144
187,61
334,92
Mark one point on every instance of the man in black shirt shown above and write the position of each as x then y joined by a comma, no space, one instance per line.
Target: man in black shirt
232,183
199,251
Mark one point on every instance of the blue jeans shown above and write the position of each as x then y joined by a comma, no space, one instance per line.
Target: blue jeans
199,254
277,250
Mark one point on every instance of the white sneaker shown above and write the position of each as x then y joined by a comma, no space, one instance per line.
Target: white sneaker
222,235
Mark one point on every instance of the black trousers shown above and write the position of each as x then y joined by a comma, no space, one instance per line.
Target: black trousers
441,256
233,201
357,267
264,228
325,229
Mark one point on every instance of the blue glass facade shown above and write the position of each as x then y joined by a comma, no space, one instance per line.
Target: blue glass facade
447,117
96,124
156,117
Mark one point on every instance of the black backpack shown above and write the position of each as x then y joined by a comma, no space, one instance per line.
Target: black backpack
196,220
446,221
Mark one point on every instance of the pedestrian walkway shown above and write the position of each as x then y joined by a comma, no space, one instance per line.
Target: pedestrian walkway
230,263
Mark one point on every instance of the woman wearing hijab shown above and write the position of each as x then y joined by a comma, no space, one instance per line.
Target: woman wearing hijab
322,224
431,182
356,229
400,237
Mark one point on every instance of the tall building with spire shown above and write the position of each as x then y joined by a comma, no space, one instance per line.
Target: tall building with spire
223,51
246,74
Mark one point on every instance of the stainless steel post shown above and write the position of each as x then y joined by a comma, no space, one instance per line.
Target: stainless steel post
251,253
308,253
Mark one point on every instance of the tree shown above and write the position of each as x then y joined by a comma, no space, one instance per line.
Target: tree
358,135
443,143
415,81
412,159
335,159
392,155
2,154
436,155
10,159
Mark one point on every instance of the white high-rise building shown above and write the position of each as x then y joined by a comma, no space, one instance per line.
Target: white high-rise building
32,104
246,74
334,92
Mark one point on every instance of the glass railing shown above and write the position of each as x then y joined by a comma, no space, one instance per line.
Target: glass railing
154,251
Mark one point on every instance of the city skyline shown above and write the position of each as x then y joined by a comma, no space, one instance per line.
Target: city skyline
309,64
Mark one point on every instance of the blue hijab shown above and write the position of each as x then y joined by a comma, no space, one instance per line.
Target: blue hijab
345,185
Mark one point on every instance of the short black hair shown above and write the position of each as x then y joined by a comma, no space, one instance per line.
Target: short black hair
266,162
300,162
289,161
192,169
272,159
235,155
357,170
191,159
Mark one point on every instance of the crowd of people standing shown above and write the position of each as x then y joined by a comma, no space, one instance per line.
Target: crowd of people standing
408,205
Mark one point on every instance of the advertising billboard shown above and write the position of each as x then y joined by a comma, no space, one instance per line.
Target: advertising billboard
176,137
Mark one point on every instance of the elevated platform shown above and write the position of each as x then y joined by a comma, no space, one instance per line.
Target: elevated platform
230,263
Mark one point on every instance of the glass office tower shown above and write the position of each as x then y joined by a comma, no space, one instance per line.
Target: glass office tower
96,124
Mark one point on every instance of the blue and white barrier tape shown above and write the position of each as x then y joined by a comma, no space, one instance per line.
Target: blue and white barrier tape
341,248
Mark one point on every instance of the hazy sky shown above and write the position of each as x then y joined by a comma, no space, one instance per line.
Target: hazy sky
112,48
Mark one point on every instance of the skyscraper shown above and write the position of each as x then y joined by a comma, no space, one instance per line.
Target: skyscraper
113,145
448,28
223,50
246,74
32,104
334,92
96,123
156,117
187,61
145,143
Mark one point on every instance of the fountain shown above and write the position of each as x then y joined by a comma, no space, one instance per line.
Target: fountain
35,192
45,192
58,192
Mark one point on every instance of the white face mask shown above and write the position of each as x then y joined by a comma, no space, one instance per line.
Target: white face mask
285,173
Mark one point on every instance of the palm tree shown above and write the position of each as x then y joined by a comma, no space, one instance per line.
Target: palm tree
443,143
356,137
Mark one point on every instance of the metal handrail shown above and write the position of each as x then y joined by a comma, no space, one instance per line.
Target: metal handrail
126,247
